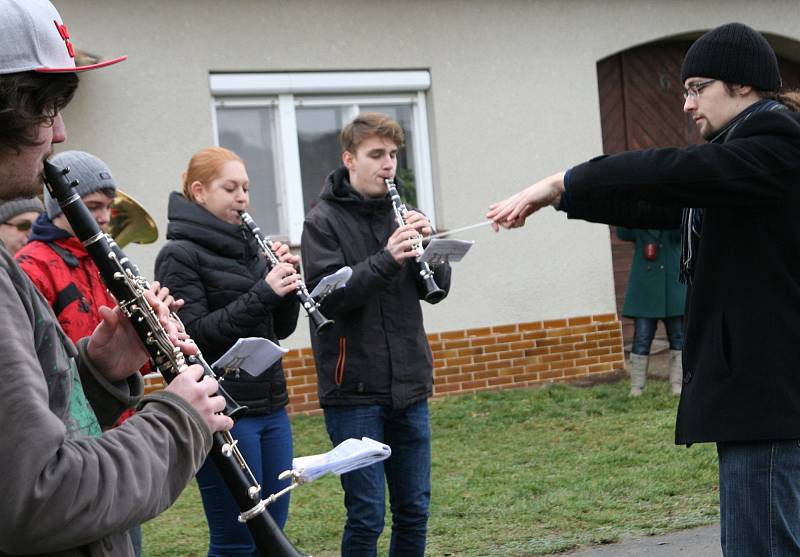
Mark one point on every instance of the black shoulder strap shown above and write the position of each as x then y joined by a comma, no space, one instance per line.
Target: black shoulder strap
66,297
71,293
71,261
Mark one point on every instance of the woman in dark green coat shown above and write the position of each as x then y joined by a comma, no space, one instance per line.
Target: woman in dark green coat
654,294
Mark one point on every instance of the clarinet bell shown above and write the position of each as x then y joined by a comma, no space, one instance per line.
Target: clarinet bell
433,294
320,321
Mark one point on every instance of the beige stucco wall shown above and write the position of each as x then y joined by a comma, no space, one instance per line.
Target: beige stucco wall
513,98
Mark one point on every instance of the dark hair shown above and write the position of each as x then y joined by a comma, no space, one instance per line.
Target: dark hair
788,97
370,124
28,100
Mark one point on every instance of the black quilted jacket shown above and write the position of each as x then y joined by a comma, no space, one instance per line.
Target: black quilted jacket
219,271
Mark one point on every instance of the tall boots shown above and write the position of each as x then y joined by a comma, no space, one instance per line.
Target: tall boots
675,371
638,373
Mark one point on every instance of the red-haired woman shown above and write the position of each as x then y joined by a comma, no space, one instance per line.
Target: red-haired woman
230,293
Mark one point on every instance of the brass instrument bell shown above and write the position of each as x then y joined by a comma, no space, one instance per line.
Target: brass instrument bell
130,222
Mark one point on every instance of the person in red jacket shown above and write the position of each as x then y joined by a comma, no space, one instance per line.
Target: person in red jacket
56,261
60,267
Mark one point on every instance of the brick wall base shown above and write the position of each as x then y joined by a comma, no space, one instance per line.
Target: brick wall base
499,357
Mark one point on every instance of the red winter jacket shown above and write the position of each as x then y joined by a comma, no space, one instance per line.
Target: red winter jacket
62,270
72,286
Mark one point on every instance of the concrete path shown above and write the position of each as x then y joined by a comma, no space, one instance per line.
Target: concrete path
697,542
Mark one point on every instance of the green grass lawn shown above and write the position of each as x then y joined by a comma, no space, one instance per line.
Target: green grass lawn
515,472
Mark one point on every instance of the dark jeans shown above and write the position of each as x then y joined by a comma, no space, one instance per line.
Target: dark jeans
644,329
407,473
266,444
759,493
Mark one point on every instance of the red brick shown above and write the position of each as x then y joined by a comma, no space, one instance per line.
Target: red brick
485,341
305,407
447,388
456,344
485,374
470,351
472,368
554,323
497,381
533,326
583,320
610,342
551,374
303,389
292,362
474,385
537,351
536,367
295,381
587,361
552,358
499,364
447,371
459,361
611,358
526,377
598,351
600,367
521,345
486,358
562,364
509,337
586,345
500,329
548,342
516,370
479,332
452,334
605,317
533,335
435,346
496,348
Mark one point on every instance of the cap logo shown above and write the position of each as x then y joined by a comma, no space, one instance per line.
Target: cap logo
62,30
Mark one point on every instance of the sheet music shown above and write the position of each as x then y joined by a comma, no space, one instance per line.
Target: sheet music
440,251
348,455
332,282
254,355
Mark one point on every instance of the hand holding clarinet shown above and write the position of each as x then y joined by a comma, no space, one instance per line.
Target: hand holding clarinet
283,278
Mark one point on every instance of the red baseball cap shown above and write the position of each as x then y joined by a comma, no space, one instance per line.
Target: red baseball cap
34,38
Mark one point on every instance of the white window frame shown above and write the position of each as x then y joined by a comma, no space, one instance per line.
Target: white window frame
286,91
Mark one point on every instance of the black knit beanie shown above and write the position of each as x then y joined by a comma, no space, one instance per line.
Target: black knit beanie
733,53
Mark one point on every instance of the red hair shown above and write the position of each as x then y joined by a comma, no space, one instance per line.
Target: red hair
204,166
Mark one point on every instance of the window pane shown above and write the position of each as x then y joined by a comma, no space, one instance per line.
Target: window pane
405,158
318,141
250,133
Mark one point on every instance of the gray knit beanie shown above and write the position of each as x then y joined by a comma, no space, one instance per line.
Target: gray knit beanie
10,209
92,175
733,53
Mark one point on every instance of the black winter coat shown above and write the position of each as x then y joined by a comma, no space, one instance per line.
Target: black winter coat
377,351
218,270
741,359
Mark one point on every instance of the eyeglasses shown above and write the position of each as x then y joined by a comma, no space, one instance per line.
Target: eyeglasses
695,89
23,226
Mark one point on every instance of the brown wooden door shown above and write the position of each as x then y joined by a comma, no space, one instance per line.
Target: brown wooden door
641,107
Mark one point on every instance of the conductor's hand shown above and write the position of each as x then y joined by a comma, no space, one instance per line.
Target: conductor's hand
284,255
401,242
512,212
115,348
420,223
283,278
201,394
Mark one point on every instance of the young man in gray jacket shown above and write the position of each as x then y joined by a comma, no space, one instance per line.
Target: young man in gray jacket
66,488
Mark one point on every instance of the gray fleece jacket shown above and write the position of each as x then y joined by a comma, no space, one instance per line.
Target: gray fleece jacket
67,490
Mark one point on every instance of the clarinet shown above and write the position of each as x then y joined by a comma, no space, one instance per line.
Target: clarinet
123,280
309,304
433,294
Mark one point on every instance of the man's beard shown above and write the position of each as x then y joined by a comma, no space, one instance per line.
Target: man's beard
14,186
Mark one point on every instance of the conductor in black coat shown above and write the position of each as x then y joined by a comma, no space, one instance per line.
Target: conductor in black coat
737,201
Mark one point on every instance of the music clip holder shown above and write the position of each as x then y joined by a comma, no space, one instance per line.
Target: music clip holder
439,251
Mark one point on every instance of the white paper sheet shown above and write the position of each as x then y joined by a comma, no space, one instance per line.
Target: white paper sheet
254,355
348,455
332,282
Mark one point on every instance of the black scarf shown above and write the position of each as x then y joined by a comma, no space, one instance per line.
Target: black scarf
692,218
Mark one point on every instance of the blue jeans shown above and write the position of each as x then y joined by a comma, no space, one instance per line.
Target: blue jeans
266,444
759,498
407,473
644,330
